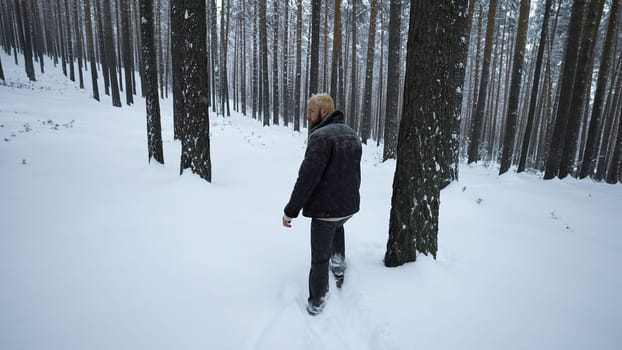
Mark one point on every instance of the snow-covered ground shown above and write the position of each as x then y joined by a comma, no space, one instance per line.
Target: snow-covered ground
101,250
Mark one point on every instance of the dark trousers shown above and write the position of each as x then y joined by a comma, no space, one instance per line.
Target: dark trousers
327,239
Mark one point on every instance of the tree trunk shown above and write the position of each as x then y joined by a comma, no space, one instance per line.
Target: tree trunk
195,145
263,52
535,88
102,47
177,28
285,60
90,47
431,103
297,85
393,77
352,117
316,9
23,25
590,152
111,55
478,114
78,26
127,51
154,130
275,65
583,78
567,87
369,74
336,56
517,73
72,74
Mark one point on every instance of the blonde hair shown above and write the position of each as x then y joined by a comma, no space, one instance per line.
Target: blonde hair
323,101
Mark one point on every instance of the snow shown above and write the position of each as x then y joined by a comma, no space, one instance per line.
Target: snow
101,250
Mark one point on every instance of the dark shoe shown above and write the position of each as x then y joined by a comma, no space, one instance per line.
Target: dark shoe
338,268
314,309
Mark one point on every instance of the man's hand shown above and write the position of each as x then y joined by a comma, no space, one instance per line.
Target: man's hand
287,222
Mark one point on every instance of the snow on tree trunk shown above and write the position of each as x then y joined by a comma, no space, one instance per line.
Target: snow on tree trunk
432,102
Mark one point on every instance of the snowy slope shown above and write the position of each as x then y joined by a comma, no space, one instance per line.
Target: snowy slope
101,250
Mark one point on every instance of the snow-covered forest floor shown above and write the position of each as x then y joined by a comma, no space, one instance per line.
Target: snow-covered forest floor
101,250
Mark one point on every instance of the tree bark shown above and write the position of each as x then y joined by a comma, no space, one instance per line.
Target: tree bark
590,152
436,55
154,129
393,77
553,163
517,74
90,47
316,9
369,74
478,113
195,145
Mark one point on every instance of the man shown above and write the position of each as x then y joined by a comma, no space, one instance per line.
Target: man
327,190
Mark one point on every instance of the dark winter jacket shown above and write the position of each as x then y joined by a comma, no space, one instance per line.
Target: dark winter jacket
330,174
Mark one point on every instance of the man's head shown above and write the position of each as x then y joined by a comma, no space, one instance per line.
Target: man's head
318,107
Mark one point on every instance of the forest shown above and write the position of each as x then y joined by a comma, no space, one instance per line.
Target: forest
528,85
541,90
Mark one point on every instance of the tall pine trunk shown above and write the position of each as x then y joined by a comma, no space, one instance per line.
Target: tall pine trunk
432,102
90,47
316,9
393,77
127,50
590,152
553,162
366,114
517,75
152,103
195,143
535,88
477,116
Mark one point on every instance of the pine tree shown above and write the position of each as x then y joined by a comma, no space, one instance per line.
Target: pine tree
127,50
90,48
534,89
177,29
152,103
111,55
369,74
431,101
195,142
553,162
393,77
517,75
595,126
316,9
477,116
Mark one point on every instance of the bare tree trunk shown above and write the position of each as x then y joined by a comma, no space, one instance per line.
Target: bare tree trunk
553,163
90,48
393,76
111,54
23,25
478,113
275,65
429,109
517,73
150,67
78,26
590,152
316,9
298,67
369,74
583,78
127,51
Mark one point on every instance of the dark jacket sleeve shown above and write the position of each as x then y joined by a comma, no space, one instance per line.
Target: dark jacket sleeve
311,170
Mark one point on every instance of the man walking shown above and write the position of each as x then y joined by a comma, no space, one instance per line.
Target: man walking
327,190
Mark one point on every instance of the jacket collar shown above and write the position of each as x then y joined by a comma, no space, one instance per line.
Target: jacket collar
335,117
